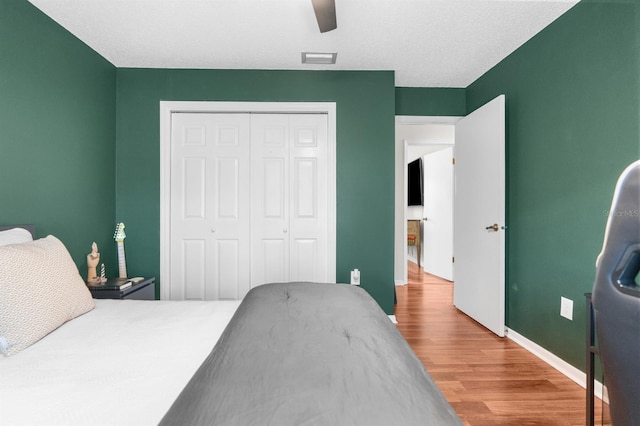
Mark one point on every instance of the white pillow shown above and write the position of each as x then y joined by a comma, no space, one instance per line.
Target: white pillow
40,289
15,236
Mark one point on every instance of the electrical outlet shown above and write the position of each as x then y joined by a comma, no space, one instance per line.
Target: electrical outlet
355,277
566,308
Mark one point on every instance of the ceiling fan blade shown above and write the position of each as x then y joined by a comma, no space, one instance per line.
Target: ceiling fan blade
325,11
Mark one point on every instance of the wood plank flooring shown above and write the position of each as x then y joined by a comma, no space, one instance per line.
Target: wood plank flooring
488,380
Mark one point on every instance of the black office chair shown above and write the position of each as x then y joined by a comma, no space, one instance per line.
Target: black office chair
616,300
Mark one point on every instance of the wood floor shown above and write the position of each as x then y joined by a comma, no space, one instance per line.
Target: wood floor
488,380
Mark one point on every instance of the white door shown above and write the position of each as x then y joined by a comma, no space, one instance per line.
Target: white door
289,213
479,219
309,220
437,227
210,211
270,195
249,202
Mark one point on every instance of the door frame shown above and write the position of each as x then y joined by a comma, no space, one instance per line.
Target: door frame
167,108
400,252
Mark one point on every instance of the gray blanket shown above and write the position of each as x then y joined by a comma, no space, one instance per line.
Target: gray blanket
310,354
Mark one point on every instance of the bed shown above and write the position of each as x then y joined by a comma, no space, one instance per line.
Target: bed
289,353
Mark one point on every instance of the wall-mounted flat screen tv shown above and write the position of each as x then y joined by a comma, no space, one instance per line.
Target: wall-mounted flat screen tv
414,175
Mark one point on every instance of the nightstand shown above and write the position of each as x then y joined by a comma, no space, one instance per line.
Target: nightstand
143,290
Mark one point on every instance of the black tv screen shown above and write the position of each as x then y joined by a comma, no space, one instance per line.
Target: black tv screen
414,175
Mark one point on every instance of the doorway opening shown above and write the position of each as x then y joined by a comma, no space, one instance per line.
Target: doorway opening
429,138
479,216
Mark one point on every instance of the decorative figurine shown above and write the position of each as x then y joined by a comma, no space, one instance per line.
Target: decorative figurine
103,276
93,259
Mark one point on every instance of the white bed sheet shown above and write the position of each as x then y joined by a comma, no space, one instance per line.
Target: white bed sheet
123,363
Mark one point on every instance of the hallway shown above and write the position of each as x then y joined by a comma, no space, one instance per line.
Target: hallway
488,380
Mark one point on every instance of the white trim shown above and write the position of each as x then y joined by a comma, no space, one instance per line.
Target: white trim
393,319
426,119
405,233
169,107
556,362
422,142
400,283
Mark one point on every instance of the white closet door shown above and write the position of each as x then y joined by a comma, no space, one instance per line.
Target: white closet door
289,214
270,160
210,219
309,198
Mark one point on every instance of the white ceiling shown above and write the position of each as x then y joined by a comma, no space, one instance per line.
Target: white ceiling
428,43
425,139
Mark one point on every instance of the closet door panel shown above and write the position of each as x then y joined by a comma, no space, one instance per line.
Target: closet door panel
229,264
210,207
194,183
273,182
228,189
195,268
305,188
272,261
304,253
230,221
270,196
309,189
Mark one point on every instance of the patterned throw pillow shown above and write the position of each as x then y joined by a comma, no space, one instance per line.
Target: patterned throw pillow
40,289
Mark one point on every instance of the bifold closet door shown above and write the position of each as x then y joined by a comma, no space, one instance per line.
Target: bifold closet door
249,202
289,196
210,206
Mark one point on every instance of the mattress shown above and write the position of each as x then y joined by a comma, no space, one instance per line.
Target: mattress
123,363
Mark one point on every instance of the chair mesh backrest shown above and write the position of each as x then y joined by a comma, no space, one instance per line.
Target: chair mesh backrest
616,300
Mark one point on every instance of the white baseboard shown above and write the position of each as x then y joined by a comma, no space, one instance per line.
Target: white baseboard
400,282
556,362
393,319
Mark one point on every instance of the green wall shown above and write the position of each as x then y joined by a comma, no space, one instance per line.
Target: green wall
365,156
426,101
573,119
572,126
57,132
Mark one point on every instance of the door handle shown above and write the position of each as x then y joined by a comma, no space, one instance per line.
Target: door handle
493,227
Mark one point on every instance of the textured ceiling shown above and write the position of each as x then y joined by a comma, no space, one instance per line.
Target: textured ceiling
428,43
